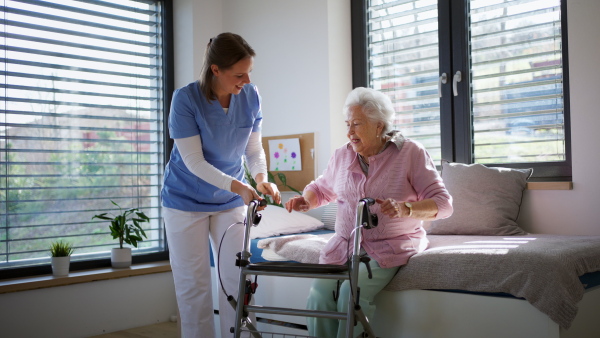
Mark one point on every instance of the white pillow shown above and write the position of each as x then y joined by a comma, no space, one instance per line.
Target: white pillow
278,221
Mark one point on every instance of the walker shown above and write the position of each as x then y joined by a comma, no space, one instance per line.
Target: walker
349,271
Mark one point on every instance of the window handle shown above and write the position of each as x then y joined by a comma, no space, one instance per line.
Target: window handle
457,78
443,80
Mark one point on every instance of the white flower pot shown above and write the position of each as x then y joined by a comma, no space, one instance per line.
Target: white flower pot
120,258
60,266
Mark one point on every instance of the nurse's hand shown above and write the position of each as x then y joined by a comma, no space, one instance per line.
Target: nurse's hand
268,188
245,190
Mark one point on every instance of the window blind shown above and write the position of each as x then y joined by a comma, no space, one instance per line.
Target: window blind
517,81
516,109
81,124
404,64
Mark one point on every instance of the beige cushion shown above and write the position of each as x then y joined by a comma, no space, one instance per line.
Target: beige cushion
486,200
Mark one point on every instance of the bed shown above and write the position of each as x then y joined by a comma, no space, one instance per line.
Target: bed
546,275
481,276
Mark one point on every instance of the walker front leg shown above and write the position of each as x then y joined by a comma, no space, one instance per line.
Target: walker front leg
363,218
242,260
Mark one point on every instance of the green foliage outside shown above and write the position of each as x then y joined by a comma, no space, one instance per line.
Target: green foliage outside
58,195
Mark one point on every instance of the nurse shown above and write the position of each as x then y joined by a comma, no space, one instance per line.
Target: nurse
216,125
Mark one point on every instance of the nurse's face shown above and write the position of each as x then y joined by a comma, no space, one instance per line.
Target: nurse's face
231,81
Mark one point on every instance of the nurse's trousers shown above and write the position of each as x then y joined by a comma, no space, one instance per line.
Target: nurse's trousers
188,235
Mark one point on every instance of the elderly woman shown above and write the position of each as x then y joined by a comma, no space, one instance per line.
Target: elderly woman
398,173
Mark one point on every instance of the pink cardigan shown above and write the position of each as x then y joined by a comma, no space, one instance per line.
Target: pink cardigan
404,171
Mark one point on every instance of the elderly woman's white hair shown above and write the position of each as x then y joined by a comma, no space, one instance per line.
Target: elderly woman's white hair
376,105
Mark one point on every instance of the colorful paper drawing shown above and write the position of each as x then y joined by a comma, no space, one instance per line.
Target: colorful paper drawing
285,155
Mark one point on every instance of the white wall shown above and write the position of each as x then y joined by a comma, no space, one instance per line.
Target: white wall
574,212
83,310
194,23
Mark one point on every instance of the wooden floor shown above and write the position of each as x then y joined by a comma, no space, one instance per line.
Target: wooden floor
160,330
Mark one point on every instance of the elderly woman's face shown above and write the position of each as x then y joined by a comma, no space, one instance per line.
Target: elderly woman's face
362,133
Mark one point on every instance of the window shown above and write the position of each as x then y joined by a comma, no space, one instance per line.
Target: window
475,81
83,101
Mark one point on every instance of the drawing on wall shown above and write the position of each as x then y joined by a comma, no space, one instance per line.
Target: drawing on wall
285,155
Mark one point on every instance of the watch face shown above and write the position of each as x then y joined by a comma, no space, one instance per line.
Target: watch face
408,205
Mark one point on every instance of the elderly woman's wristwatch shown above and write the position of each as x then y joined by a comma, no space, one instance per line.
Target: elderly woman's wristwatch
409,206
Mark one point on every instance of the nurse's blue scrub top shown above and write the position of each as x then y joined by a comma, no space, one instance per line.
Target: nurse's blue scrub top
224,139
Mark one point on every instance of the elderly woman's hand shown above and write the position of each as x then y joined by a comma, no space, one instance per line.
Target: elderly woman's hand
297,203
392,208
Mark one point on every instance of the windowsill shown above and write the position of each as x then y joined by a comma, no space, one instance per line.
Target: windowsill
549,185
84,276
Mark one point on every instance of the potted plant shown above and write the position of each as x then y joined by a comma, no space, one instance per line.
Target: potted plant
61,258
126,227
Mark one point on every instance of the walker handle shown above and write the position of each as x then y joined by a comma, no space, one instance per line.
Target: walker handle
368,220
252,215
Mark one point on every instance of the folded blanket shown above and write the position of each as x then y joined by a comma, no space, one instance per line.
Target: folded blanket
300,248
543,269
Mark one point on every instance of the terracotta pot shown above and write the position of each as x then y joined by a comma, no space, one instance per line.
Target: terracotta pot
60,266
120,258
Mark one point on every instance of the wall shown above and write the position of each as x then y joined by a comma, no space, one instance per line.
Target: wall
87,309
574,212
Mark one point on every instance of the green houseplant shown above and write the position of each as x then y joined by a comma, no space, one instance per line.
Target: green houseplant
126,227
61,257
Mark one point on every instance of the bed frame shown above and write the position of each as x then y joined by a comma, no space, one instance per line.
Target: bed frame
429,313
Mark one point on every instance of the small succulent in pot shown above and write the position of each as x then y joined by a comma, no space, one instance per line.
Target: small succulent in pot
61,258
61,249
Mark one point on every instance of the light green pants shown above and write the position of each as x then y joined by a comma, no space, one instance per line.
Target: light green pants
320,298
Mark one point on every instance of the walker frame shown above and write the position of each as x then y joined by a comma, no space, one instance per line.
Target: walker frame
349,271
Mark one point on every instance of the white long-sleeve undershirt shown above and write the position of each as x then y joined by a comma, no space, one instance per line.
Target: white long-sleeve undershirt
191,152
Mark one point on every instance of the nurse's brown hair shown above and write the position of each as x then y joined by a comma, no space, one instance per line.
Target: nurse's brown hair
224,50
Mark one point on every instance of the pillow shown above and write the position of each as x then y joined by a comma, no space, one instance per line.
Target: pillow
277,221
328,216
486,200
